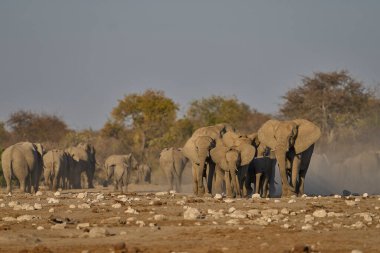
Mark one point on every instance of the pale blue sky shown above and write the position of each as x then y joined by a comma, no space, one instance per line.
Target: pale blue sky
76,58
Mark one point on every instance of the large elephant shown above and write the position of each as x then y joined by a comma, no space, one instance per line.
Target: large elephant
197,150
120,168
172,163
232,156
293,144
82,159
23,160
56,169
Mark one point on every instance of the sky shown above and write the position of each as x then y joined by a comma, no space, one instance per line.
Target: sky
77,58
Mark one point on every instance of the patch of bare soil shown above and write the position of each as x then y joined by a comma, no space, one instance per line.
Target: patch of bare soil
151,220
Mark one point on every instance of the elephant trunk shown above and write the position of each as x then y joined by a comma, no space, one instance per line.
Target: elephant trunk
203,155
281,159
235,182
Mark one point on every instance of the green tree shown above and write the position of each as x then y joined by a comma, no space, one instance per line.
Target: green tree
217,109
34,127
143,117
333,100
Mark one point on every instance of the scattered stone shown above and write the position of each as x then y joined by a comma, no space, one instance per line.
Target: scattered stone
337,196
131,211
291,201
356,251
40,228
161,193
38,193
37,206
27,217
111,220
253,212
284,211
13,203
350,202
83,225
9,219
231,209
358,225
277,201
269,212
172,192
309,218
229,201
218,196
82,195
57,193
286,226
307,227
365,195
98,232
140,223
72,206
51,210
256,196
117,205
52,201
159,217
238,214
100,197
337,225
84,206
59,226
191,214
366,216
2,205
233,222
321,213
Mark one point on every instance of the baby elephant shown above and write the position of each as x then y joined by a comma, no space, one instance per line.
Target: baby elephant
56,169
172,163
120,167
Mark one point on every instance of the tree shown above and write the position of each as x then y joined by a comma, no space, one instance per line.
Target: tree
217,109
333,100
147,116
34,127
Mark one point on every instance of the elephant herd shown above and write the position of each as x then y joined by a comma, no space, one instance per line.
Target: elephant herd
222,158
61,168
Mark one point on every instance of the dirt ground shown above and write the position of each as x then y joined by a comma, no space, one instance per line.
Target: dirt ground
150,220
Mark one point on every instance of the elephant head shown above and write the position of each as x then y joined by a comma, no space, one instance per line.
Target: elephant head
284,136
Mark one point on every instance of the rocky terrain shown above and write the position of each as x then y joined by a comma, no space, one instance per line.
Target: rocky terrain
151,220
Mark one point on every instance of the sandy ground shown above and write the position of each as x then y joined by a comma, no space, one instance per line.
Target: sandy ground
149,220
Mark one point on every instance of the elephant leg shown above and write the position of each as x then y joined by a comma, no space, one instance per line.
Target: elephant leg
210,177
219,177
295,170
227,179
55,182
265,186
248,180
7,177
23,184
90,177
257,183
305,162
195,179
170,179
124,183
201,188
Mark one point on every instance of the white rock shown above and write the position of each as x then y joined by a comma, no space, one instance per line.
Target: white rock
82,195
358,225
286,226
131,211
261,222
98,232
123,233
253,212
131,219
238,215
191,214
38,193
366,216
26,217
51,210
180,202
13,203
256,196
320,213
83,225
2,205
40,228
172,192
9,218
269,212
303,196
159,217
72,206
218,196
84,206
37,206
229,201
31,208
233,222
284,211
291,201
117,205
161,193
277,201
231,209
52,201
365,195
100,197
350,202
337,196
57,193
356,251
307,227
140,223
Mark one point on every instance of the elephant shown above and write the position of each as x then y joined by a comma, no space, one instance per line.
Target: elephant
144,173
120,168
56,169
172,163
23,160
197,150
232,156
261,170
81,159
293,144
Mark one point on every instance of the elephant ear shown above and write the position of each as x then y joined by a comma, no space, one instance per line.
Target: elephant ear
189,151
218,154
247,153
266,133
308,133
